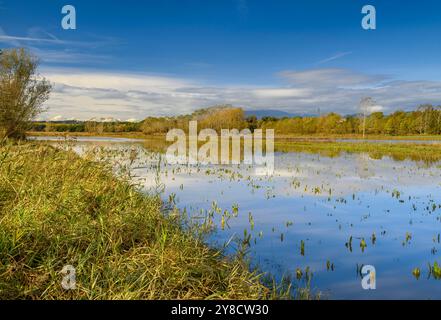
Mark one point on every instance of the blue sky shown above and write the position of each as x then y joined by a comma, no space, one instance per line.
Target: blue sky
130,59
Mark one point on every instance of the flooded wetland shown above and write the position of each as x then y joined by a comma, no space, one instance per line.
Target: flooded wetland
220,151
318,219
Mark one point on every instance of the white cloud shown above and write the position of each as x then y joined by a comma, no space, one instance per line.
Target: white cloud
114,81
84,94
281,93
56,118
87,94
330,77
376,108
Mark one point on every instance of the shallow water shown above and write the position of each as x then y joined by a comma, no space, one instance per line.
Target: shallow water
321,202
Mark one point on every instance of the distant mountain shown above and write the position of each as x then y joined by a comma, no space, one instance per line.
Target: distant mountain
95,119
102,119
258,113
274,113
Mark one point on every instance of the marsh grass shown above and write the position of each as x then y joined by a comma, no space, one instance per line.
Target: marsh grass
58,209
429,153
425,152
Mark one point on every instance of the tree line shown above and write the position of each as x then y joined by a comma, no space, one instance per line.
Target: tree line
84,126
425,120
217,117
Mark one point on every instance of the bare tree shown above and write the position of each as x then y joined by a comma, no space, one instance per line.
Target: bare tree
365,104
22,92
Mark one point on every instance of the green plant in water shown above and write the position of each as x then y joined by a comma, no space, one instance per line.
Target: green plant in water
416,273
407,238
251,221
349,244
373,238
235,209
435,271
302,247
299,273
363,244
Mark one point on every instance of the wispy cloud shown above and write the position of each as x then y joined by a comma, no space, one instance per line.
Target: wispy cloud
39,36
334,57
50,40
51,49
69,56
6,38
330,77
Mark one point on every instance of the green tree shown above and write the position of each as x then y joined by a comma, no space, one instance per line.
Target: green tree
375,123
222,117
22,92
252,123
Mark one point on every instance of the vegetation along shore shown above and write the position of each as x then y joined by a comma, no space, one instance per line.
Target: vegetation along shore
57,209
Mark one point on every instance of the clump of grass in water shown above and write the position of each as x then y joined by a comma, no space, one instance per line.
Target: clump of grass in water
58,209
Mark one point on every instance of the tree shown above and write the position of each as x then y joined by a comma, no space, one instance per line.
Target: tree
22,92
375,123
365,104
252,123
221,117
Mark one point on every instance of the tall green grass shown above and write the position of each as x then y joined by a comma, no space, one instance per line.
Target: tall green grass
58,209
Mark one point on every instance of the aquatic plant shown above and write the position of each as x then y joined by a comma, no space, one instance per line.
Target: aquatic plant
416,273
435,271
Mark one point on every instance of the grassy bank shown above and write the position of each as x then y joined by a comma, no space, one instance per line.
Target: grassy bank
58,209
